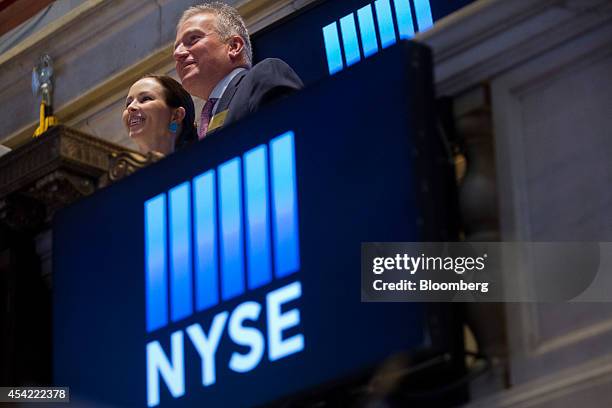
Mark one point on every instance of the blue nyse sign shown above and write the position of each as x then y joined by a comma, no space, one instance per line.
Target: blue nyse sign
389,23
190,241
228,273
336,34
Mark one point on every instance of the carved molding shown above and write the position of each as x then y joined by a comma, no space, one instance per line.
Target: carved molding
22,213
59,147
60,188
125,163
52,171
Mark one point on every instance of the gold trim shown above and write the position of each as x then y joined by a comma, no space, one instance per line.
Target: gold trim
217,121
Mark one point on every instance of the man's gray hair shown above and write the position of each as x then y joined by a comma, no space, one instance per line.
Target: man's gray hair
228,23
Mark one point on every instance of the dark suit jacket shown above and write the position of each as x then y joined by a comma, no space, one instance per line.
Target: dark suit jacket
266,82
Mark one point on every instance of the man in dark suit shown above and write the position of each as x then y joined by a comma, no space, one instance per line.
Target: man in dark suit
214,62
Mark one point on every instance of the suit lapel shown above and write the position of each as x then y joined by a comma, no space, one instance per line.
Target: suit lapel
230,91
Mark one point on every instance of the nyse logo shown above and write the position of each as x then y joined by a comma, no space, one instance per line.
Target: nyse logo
386,20
203,248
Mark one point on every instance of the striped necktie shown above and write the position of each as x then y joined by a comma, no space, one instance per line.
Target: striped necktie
205,117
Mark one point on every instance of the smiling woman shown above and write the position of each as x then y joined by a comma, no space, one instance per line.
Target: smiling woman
159,114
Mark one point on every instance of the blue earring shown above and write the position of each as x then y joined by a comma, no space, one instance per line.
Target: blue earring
173,127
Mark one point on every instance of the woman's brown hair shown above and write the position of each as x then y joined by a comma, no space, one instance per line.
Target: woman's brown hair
175,97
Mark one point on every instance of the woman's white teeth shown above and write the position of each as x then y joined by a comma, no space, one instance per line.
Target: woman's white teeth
136,120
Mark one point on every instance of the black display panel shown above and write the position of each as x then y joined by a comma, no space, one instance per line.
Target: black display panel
299,38
138,312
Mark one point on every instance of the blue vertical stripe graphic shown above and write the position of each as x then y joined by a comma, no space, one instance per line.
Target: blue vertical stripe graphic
155,263
230,199
367,30
195,234
179,208
423,14
386,26
205,234
332,48
259,265
404,19
349,39
284,206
